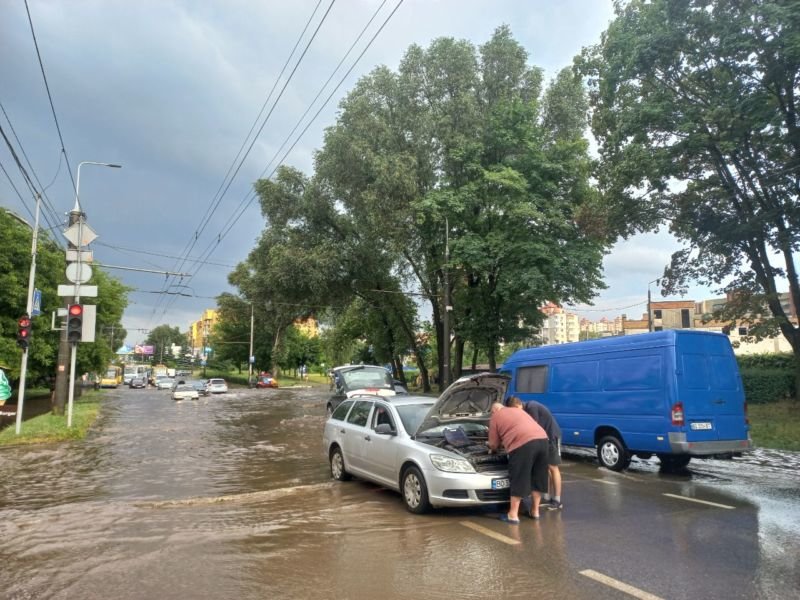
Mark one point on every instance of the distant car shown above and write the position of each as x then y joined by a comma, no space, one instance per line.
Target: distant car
163,383
266,381
360,379
201,387
217,386
184,392
138,382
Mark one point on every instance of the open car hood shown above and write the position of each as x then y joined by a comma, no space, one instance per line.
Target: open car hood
467,400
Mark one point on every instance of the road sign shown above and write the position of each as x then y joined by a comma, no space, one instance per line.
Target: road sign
36,309
202,363
80,234
86,291
85,256
79,272
252,360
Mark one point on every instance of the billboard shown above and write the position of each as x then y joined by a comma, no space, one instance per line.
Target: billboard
148,350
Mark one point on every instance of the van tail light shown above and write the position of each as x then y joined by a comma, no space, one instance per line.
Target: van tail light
746,416
677,413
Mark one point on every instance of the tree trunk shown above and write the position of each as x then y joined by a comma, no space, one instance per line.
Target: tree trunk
276,344
492,356
458,359
474,358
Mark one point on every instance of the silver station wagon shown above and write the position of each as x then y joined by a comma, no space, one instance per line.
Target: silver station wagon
432,451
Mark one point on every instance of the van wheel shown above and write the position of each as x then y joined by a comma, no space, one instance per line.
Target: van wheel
612,454
674,462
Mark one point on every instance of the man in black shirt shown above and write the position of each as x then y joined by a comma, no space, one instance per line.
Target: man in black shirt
542,415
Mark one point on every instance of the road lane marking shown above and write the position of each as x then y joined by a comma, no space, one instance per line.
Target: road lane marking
619,585
492,534
579,478
700,501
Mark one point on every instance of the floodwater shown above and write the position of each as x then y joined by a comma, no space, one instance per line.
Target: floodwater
230,497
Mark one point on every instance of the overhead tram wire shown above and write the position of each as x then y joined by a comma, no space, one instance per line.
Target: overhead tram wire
46,203
14,187
195,237
148,253
49,95
229,225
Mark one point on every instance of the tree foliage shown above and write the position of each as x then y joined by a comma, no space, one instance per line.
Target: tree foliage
162,337
696,111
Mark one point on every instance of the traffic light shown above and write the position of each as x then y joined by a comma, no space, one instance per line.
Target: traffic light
74,323
24,331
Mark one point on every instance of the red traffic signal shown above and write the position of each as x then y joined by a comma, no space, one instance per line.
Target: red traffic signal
24,331
74,323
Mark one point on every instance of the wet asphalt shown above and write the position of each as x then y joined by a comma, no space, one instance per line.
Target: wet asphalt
230,497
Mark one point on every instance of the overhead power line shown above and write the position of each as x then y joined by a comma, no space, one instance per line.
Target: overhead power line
248,199
216,203
49,95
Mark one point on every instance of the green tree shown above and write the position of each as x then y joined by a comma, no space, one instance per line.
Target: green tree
695,107
162,338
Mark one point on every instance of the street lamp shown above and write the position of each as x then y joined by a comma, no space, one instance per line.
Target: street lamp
649,310
77,207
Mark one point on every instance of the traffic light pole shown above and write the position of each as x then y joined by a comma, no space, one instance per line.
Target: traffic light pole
23,369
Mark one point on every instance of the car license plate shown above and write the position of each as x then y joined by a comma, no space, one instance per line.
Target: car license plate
500,484
700,425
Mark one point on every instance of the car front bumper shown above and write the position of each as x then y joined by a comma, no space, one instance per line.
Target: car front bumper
464,489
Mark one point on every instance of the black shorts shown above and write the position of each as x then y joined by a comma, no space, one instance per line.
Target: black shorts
554,452
527,468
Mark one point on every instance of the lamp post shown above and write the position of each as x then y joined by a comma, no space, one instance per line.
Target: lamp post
250,355
31,275
64,351
649,303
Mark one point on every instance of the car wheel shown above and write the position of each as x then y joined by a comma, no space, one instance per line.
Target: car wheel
612,454
674,462
415,491
338,471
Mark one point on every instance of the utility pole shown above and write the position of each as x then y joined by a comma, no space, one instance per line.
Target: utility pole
29,309
250,355
445,374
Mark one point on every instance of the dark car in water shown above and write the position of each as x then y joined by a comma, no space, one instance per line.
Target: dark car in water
350,380
138,383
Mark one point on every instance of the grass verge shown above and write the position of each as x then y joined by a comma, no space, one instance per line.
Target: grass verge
51,428
775,425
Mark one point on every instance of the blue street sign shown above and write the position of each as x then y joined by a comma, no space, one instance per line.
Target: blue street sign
202,363
37,303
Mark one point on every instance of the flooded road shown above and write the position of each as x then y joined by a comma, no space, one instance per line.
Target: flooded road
230,497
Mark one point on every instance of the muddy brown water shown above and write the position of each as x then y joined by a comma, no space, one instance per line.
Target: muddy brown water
230,497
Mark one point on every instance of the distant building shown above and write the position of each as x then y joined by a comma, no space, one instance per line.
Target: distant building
200,330
559,326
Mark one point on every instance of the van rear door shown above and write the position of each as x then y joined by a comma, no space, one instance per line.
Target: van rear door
710,389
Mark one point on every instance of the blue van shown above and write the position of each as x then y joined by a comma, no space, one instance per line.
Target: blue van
675,394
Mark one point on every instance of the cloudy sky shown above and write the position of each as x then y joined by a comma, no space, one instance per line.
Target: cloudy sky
170,90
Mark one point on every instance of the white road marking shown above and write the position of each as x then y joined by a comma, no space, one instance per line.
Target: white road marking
492,534
619,585
700,501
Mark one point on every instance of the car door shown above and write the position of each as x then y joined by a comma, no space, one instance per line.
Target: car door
381,449
353,433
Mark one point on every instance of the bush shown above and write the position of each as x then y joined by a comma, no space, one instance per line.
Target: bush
781,361
763,385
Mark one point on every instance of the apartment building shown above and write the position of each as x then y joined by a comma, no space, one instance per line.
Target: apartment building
200,330
559,326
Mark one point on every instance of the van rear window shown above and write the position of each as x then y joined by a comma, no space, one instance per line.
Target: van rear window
532,380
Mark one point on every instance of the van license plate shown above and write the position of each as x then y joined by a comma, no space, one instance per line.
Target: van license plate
499,484
698,426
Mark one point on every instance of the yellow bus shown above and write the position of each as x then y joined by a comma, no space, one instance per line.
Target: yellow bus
112,377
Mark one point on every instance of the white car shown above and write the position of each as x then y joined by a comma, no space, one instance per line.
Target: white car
217,386
164,383
185,392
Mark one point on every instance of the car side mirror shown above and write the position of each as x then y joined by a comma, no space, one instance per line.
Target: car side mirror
385,429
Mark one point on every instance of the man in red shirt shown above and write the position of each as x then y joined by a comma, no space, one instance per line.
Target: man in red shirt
526,444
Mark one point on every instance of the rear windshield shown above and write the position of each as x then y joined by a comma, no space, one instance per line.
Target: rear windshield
374,377
216,381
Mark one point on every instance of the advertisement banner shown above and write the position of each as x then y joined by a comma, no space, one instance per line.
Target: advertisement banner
147,350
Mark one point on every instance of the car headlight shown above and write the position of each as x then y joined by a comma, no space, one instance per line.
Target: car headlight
451,465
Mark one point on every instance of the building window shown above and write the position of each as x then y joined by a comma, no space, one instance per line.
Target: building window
657,313
742,331
658,328
686,322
